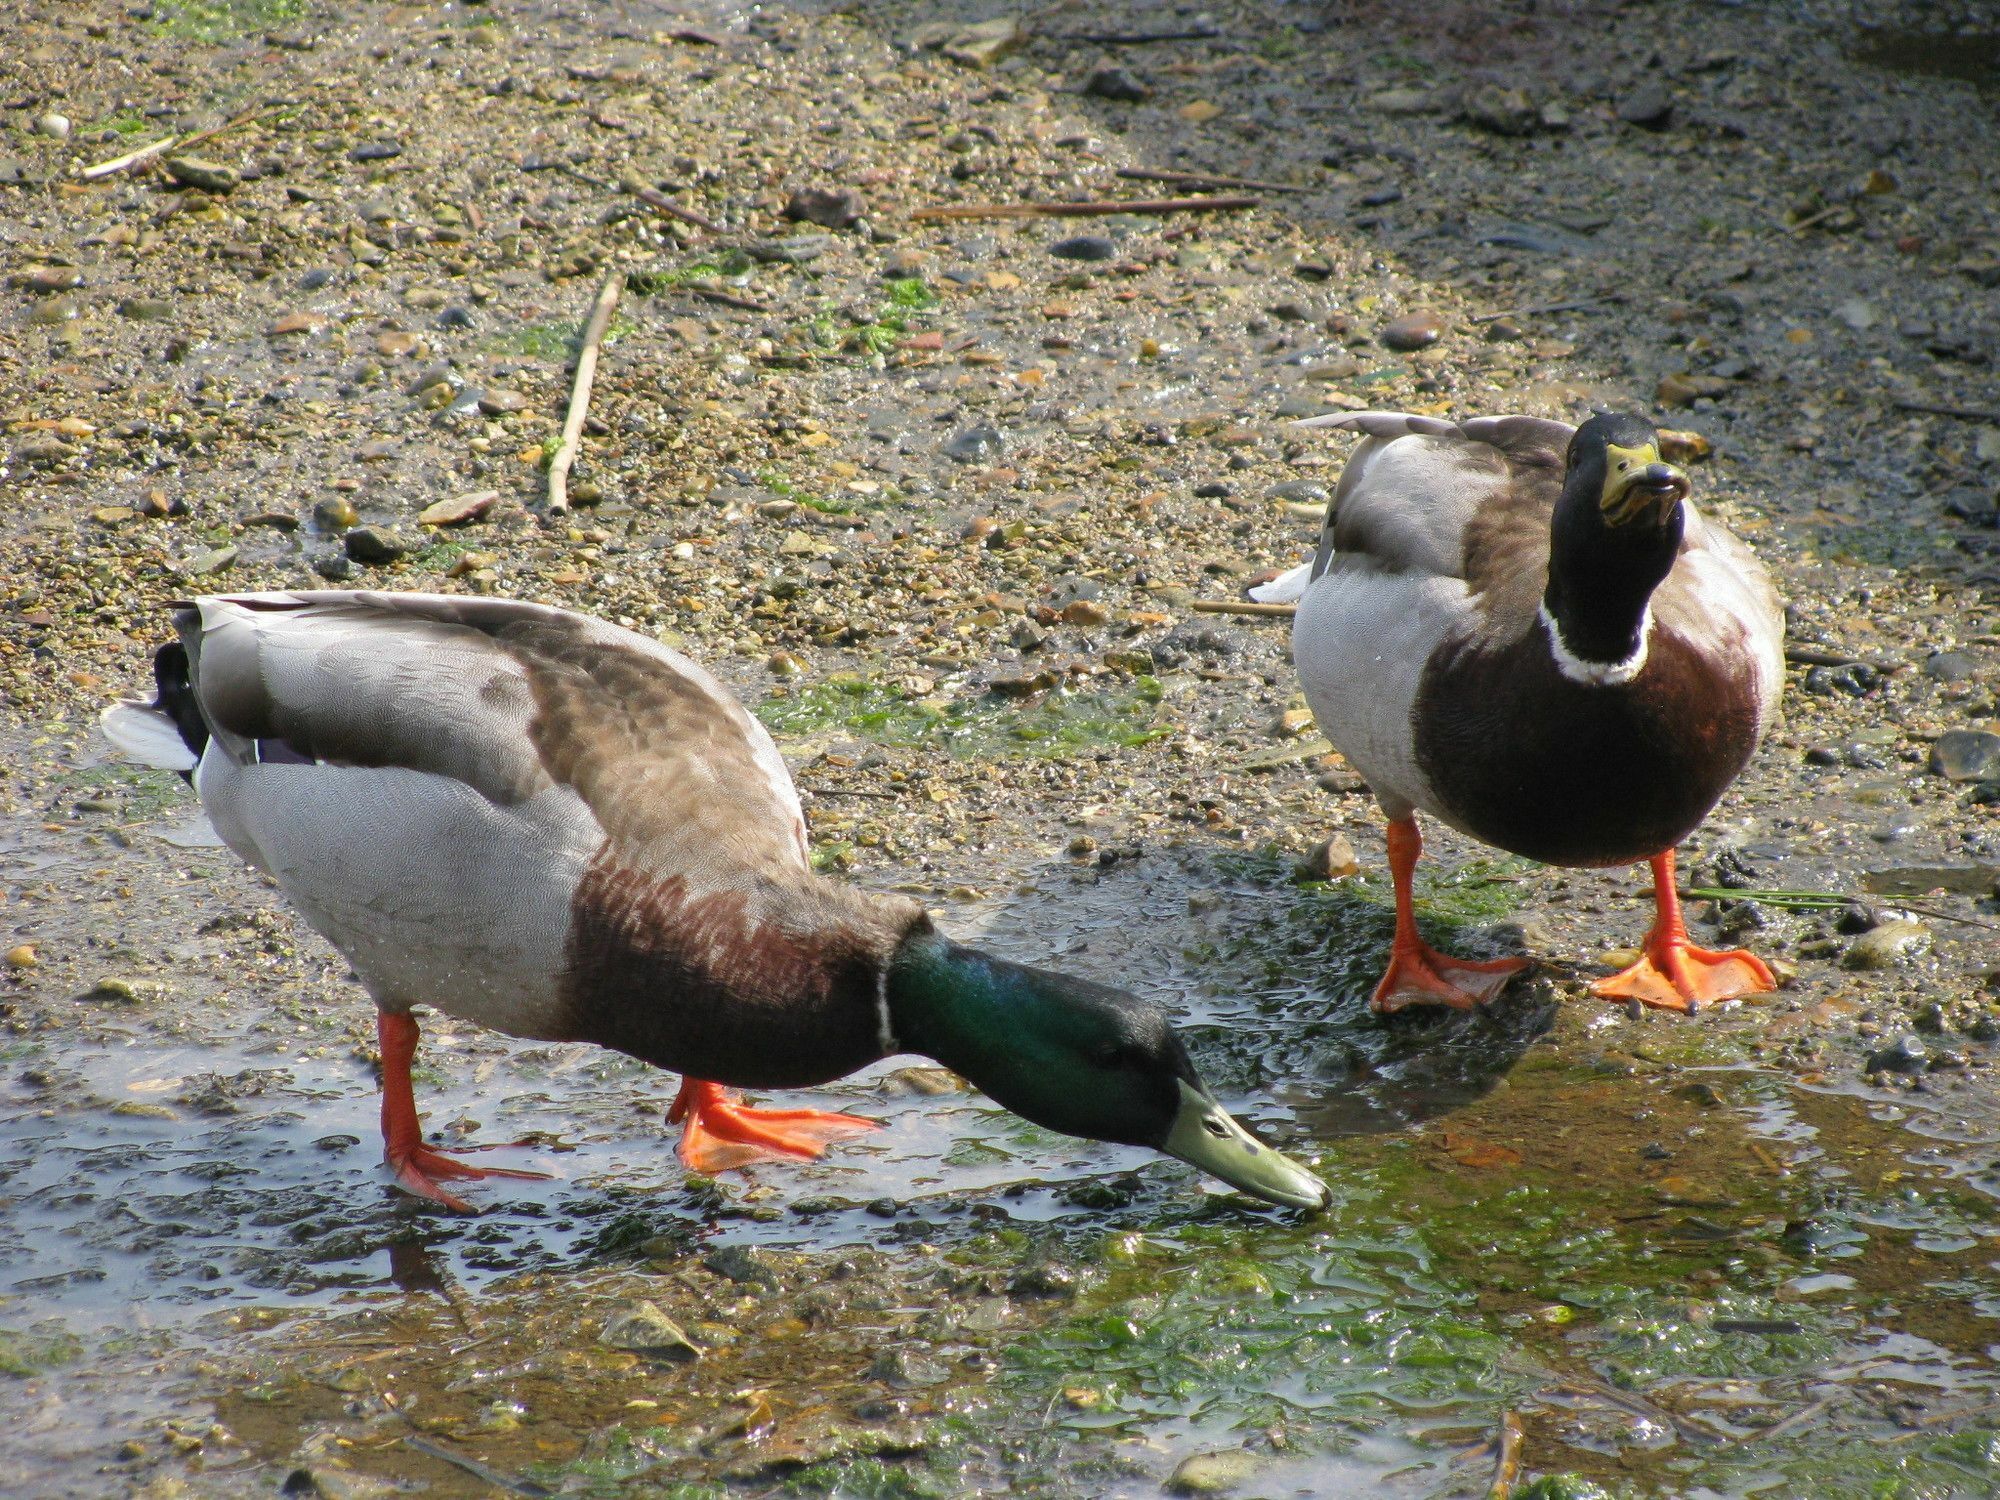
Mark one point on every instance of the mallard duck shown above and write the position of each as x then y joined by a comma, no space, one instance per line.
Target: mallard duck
563,830
1527,631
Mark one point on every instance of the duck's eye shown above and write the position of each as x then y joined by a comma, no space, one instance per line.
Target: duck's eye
1110,1055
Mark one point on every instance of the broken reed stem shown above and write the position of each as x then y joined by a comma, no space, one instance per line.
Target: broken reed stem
1507,1466
1242,607
1085,209
160,147
654,199
1205,179
579,395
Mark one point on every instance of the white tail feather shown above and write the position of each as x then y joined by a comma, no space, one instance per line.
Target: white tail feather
147,735
1286,588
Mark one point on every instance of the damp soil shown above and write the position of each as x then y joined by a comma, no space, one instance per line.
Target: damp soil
937,503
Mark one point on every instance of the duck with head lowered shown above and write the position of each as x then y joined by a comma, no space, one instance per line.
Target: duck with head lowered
563,830
1526,630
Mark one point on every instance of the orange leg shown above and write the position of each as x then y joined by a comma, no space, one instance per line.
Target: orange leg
1674,974
1418,974
417,1166
717,1133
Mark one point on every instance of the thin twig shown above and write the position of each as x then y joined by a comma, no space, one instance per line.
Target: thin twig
655,199
728,299
579,396
828,791
1206,179
159,148
1812,656
1507,1466
1825,901
1573,305
1798,225
1083,210
1242,607
1966,413
484,1472
1137,38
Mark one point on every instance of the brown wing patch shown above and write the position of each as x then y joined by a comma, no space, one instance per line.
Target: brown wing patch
1507,541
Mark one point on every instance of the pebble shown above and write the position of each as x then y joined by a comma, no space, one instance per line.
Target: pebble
375,151
213,561
1907,1054
793,250
1085,612
373,546
198,172
643,1329
457,509
45,279
1118,83
1649,106
22,956
53,310
298,322
1503,111
975,445
496,402
1413,330
1084,247
457,316
1332,858
1966,755
1887,945
832,208
146,309
1217,1473
1950,666
334,514
1300,492
54,126
743,1264
396,343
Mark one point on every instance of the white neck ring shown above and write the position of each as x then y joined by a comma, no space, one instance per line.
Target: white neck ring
1597,673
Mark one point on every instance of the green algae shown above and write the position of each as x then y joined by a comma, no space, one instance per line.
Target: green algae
1059,722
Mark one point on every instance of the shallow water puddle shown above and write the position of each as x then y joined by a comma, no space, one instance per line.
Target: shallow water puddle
1682,1273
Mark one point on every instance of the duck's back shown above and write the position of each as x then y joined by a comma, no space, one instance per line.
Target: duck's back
526,817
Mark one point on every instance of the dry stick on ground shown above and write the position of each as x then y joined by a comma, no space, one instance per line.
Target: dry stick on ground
579,396
1084,210
653,198
1205,179
1242,607
1967,413
1507,1466
159,148
1546,307
728,299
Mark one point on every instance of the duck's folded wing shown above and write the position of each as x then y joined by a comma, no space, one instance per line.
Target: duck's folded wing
509,698
1409,494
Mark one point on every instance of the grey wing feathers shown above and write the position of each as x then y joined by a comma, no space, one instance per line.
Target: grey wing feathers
510,698
1404,506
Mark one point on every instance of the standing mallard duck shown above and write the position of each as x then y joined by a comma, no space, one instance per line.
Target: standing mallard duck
1525,630
562,830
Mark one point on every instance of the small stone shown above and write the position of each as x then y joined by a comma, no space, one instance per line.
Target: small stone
742,1264
22,956
1027,635
334,514
1966,755
1200,111
397,343
907,1367
1685,390
456,316
1331,859
44,280
794,250
1084,247
1503,111
298,322
1681,447
54,126
975,445
197,172
334,567
145,309
458,509
1292,723
1414,330
1887,945
643,1329
495,402
1300,492
214,561
831,208
797,544
373,546
375,151
54,310
1907,1054
984,44
1218,1473
1649,106
1118,83
1085,612
1858,313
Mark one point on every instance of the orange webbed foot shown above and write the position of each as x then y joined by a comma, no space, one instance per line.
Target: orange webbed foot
1424,976
1680,976
419,1169
718,1133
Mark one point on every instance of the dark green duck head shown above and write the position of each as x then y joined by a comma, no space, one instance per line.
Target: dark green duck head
1078,1057
1616,531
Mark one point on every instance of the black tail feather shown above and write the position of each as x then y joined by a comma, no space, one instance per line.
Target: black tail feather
175,695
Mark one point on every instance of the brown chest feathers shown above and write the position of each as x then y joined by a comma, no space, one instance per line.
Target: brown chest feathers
757,988
1525,759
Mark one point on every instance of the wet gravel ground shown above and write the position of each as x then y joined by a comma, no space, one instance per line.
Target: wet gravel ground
936,496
